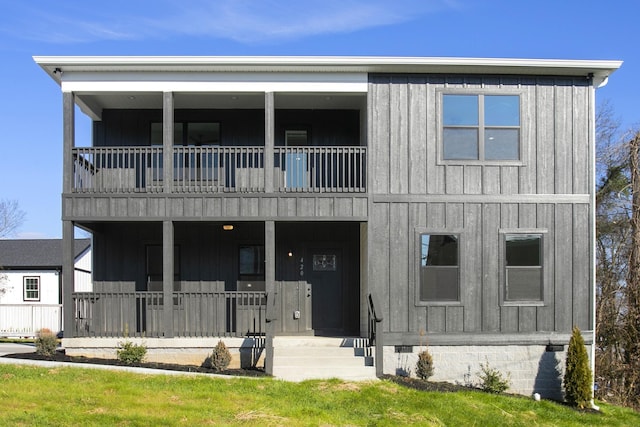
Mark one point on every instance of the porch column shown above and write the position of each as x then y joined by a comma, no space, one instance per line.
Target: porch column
167,276
269,140
68,138
270,256
167,141
68,311
270,288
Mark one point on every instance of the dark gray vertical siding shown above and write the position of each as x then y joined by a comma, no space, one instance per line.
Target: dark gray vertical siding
491,252
582,295
563,150
398,272
555,156
399,137
417,143
546,314
471,268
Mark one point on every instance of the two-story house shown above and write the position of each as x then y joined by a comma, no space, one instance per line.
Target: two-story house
277,202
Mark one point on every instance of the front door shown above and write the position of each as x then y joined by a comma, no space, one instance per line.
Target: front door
325,275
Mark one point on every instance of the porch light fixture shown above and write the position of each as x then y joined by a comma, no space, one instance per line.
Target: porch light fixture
227,227
290,254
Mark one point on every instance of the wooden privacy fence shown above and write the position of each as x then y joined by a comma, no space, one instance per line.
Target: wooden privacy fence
211,169
25,320
194,314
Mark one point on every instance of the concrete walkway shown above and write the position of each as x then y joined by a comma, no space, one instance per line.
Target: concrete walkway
11,348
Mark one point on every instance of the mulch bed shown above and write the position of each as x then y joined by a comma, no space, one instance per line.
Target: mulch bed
423,385
60,356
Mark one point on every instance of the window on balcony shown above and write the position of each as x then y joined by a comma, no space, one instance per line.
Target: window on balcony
32,288
480,127
189,133
439,267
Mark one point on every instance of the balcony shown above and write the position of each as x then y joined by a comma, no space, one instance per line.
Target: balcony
219,169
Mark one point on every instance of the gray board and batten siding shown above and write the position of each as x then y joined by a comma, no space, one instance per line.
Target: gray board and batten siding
413,191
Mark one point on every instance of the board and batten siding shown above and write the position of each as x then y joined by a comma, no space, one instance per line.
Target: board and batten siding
412,191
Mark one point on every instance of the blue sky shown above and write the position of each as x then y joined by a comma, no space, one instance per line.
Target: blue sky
31,113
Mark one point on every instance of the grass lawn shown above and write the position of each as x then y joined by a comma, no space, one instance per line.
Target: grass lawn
75,396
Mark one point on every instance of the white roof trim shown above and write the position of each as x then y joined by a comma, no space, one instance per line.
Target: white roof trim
353,64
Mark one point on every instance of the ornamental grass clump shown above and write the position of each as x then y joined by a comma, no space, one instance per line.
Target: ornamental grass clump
46,343
578,377
220,357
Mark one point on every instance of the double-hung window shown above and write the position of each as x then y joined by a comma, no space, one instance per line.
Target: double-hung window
484,127
32,288
523,267
439,268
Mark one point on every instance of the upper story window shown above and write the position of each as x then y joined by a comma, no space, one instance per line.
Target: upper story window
32,288
189,133
480,127
523,268
439,267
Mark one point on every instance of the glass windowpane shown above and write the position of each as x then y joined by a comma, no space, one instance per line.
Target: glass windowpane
460,110
460,144
502,110
501,144
523,249
524,284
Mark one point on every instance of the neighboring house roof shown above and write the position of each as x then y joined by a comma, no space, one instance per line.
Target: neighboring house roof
36,253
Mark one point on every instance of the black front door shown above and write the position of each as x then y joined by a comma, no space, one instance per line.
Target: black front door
325,273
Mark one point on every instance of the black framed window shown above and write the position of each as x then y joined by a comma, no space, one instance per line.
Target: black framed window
251,262
439,267
523,267
480,127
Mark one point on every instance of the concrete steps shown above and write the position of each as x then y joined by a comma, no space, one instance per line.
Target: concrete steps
303,358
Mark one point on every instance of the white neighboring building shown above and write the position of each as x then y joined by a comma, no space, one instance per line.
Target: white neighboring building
31,284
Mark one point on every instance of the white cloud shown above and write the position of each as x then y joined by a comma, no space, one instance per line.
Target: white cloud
246,21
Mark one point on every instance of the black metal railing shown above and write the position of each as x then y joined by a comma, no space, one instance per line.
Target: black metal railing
375,333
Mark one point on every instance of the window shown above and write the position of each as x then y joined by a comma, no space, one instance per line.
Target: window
32,288
189,133
294,138
251,261
439,267
523,267
480,127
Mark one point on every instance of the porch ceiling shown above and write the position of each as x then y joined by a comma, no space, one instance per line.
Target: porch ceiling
93,103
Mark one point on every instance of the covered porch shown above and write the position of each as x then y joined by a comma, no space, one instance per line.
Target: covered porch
219,280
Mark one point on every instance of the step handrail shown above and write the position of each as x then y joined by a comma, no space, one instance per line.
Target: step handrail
375,333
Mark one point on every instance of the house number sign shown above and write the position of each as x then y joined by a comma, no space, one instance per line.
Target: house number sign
301,266
324,263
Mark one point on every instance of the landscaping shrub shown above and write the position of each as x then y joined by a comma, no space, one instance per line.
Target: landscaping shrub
424,366
46,342
129,352
578,377
492,380
220,357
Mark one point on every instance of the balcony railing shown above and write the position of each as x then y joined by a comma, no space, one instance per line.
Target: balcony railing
218,169
195,314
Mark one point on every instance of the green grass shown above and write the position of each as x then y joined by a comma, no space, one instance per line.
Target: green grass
75,396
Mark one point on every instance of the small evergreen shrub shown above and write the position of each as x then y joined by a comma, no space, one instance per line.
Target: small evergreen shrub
46,342
492,380
578,377
129,352
424,366
220,357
